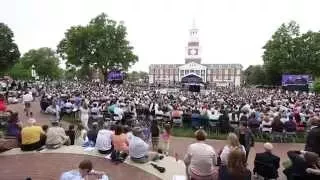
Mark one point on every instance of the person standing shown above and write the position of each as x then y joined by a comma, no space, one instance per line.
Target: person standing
246,137
27,98
155,133
166,138
84,115
313,137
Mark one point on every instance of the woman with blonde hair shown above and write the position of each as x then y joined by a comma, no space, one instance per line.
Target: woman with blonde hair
233,143
236,168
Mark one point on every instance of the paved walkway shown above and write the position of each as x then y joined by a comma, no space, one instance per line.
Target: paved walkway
50,166
179,145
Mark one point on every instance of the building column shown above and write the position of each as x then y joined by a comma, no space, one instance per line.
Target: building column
205,75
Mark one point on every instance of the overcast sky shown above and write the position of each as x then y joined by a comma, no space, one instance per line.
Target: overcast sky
231,31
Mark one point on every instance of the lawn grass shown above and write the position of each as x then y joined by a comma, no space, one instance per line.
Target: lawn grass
189,132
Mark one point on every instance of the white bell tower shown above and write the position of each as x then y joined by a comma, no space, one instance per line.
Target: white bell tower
193,49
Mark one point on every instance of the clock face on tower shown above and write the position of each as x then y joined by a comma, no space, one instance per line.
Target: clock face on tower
193,51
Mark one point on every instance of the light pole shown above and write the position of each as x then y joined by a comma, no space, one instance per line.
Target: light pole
33,72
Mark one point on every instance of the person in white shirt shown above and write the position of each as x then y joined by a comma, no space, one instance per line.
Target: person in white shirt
233,143
84,115
103,142
119,112
56,136
138,149
27,98
200,159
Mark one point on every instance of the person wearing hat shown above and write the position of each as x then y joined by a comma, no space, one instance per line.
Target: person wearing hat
138,149
313,138
266,164
56,136
31,136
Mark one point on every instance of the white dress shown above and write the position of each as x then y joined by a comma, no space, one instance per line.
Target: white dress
84,117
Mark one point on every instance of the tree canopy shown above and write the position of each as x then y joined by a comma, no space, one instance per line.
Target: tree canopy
290,52
101,44
45,61
9,52
255,75
136,76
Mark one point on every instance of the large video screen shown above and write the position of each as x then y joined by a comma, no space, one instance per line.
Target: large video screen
115,75
295,79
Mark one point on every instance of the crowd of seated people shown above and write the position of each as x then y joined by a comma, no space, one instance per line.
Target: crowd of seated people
247,112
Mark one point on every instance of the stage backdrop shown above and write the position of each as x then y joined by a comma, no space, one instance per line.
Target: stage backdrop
115,76
297,80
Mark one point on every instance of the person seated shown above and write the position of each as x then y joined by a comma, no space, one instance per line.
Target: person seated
195,118
266,125
52,109
95,111
128,132
300,126
236,167
43,137
13,100
103,142
3,106
68,107
44,103
71,133
120,140
93,133
277,125
301,161
81,135
56,136
14,125
31,136
266,164
290,126
85,171
139,149
253,123
200,158
119,113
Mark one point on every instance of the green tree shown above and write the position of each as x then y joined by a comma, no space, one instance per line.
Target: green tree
9,52
101,44
255,75
18,71
289,52
45,61
279,52
135,76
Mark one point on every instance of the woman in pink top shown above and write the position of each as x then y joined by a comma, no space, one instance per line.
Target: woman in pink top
120,140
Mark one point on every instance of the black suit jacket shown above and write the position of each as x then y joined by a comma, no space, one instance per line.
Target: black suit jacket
313,139
266,164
